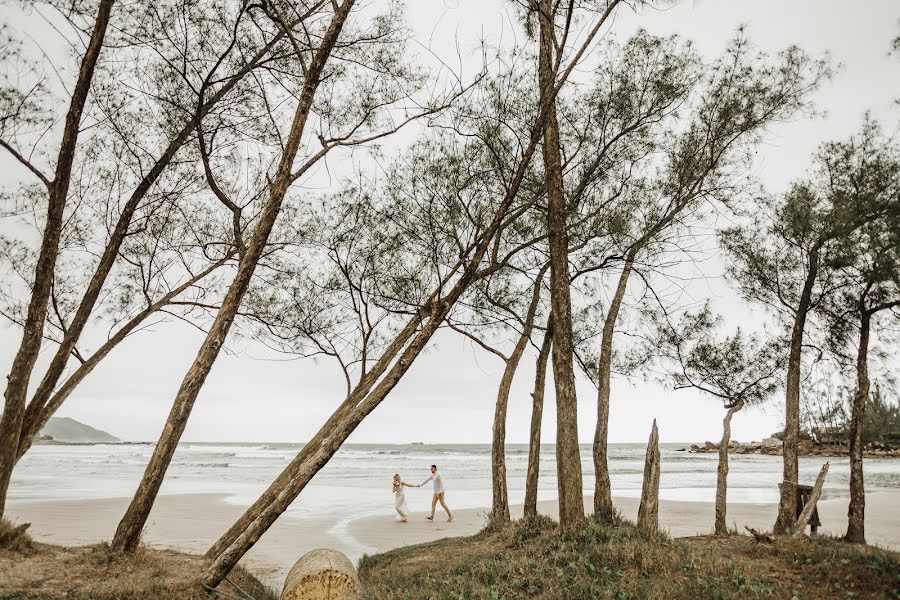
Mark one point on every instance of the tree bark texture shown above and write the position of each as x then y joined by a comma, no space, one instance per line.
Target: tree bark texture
856,512
500,495
534,438
568,456
603,505
788,501
722,470
58,191
128,532
648,510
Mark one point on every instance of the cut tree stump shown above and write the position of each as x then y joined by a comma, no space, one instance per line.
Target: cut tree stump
322,574
648,512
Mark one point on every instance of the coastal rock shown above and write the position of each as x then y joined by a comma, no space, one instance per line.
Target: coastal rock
771,443
710,446
64,429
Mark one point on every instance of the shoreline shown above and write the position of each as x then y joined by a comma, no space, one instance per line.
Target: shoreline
192,522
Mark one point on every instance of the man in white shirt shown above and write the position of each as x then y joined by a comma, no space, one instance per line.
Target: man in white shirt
438,480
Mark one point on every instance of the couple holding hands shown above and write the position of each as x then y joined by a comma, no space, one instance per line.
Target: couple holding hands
400,495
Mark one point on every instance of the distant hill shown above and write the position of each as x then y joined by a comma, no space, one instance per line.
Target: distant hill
64,429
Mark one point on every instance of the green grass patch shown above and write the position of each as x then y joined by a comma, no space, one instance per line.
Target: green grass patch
610,559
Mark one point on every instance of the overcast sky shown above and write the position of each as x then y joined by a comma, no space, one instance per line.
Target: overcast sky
448,395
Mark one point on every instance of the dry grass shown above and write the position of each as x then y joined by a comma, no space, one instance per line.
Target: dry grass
535,560
14,537
94,572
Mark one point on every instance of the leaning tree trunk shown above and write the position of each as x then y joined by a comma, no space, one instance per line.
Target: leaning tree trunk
128,533
722,469
603,505
787,505
331,437
856,512
537,410
568,456
280,483
58,190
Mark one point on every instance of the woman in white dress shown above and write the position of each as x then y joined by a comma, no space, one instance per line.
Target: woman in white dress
400,498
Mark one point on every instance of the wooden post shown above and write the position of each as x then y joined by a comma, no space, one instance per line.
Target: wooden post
810,506
648,512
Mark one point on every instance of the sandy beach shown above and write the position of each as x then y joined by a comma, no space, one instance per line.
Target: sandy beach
191,522
188,522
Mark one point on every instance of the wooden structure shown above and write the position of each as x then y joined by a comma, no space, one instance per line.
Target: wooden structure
803,496
322,574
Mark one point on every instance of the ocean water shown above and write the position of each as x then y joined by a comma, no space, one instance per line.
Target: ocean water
357,481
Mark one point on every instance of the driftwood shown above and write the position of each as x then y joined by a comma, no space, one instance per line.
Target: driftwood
800,526
760,536
648,512
322,574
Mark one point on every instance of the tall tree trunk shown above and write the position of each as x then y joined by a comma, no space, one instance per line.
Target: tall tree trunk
722,469
58,191
500,504
128,532
856,512
31,428
359,392
787,505
537,410
94,288
603,505
568,456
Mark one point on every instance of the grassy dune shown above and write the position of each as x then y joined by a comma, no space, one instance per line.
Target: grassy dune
33,571
534,560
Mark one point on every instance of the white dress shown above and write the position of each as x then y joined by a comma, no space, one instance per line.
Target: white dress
400,502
